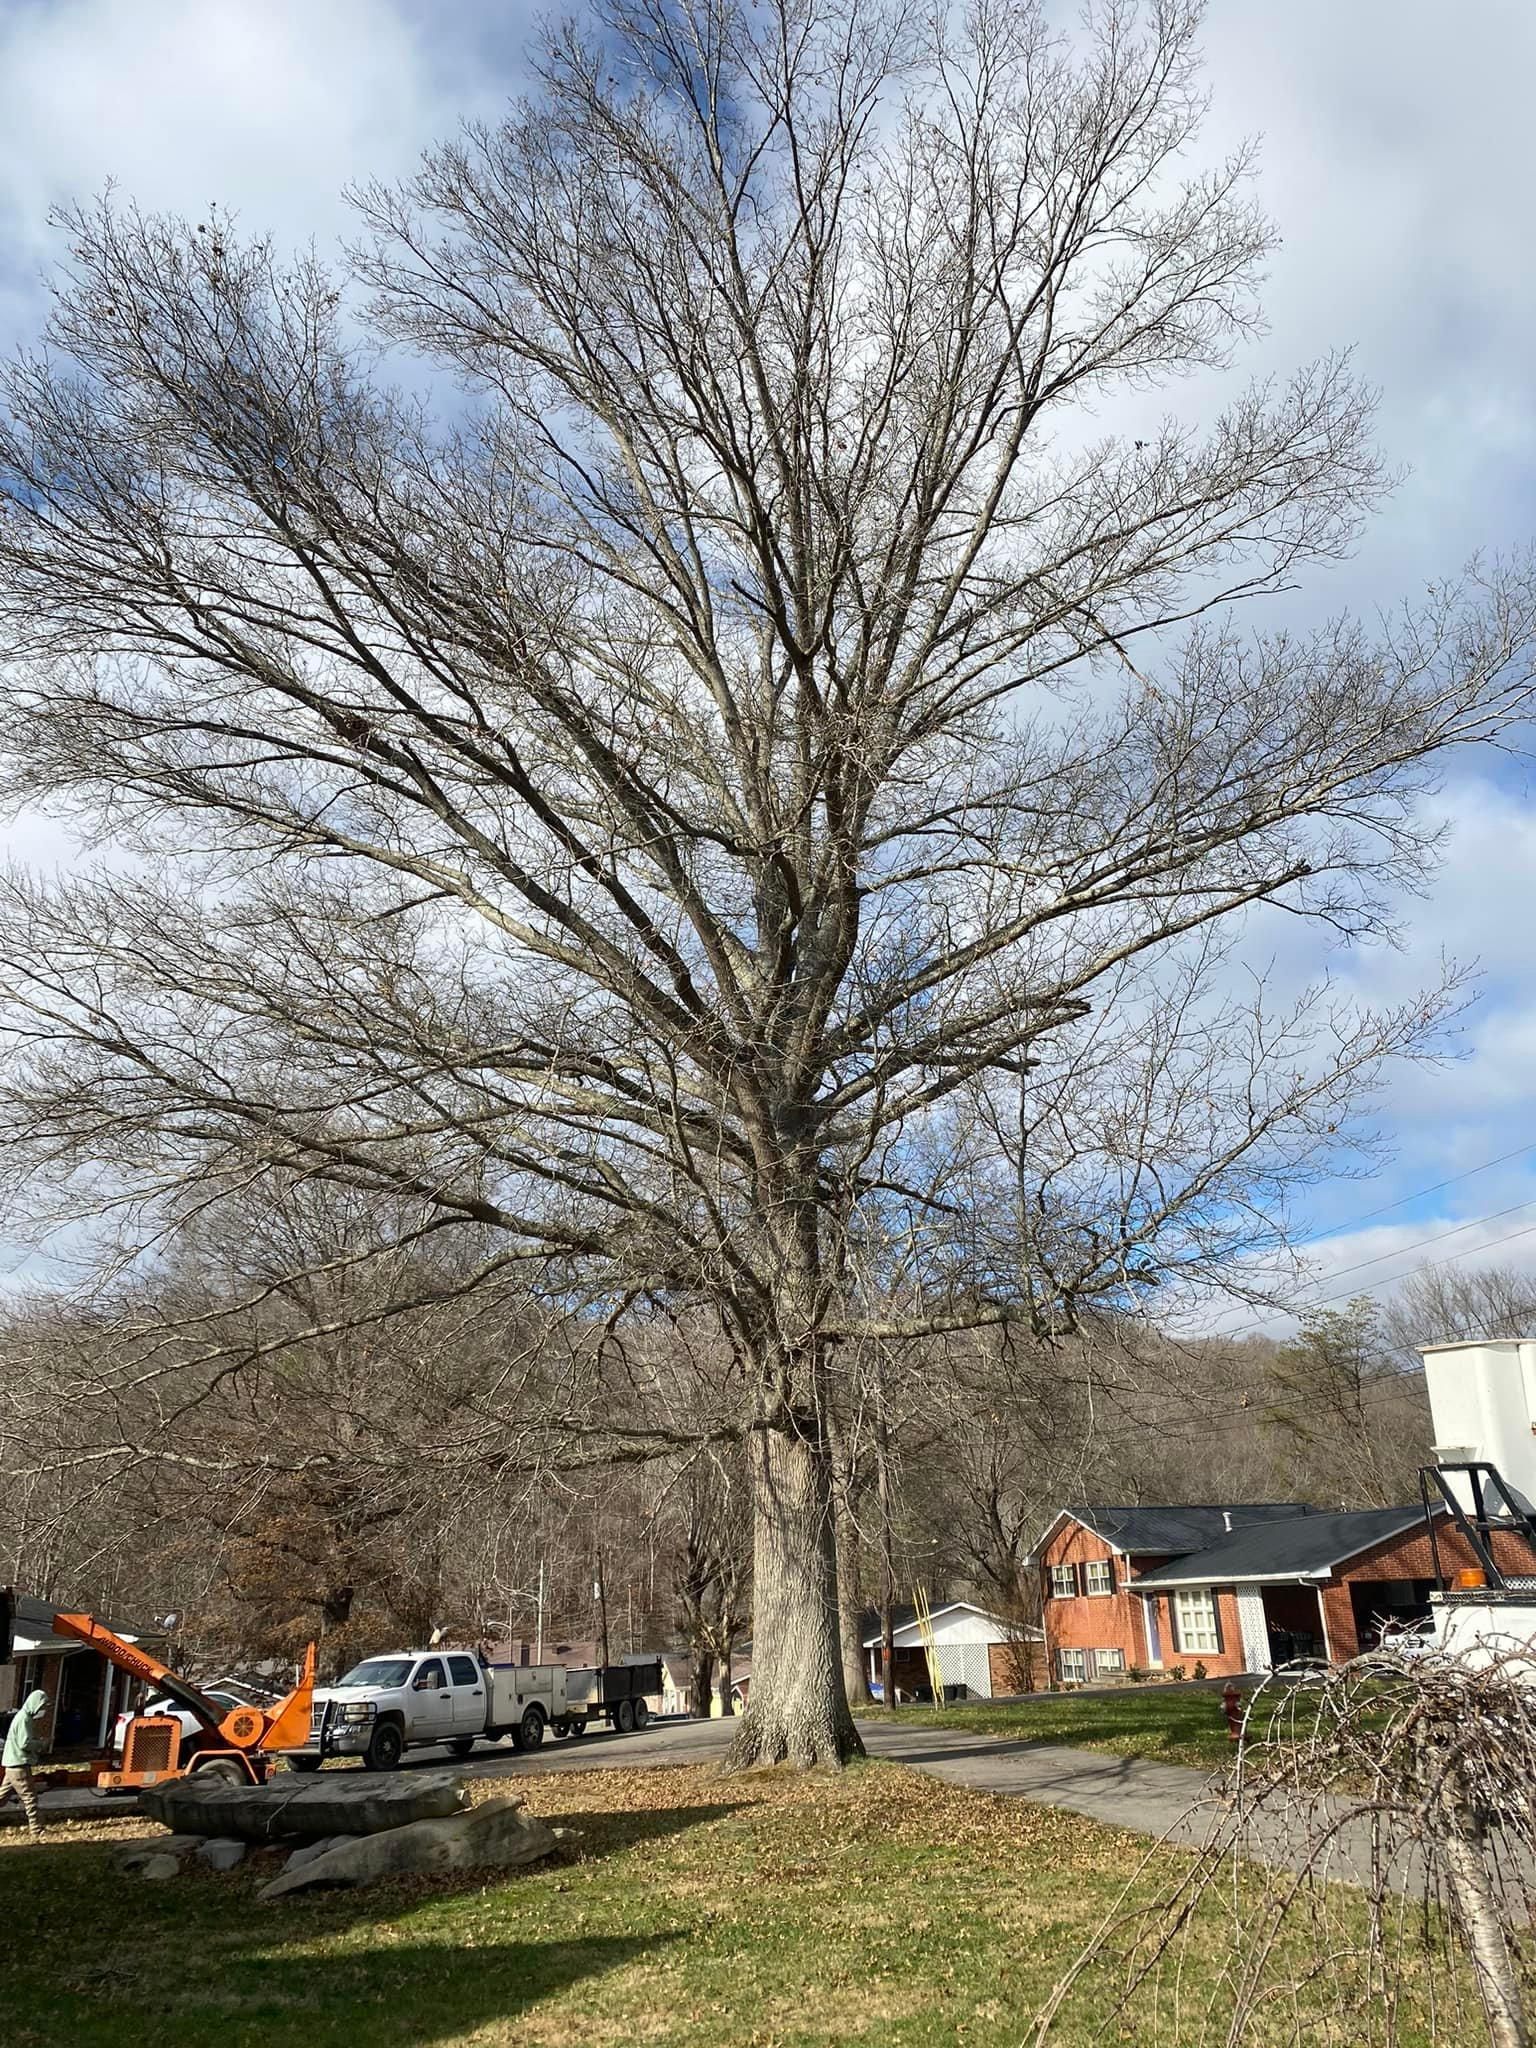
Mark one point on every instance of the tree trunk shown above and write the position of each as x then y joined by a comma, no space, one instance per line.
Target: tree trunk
1476,1901
887,1568
849,1606
703,1680
727,1705
797,1711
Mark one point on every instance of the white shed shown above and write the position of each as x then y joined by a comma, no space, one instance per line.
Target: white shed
972,1644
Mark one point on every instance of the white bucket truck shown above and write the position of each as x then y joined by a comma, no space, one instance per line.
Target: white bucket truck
1482,1399
408,1699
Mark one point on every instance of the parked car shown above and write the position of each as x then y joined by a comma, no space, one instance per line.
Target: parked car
222,1697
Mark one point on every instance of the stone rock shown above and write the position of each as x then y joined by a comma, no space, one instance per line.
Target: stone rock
223,1853
158,1868
308,1851
299,1809
495,1836
131,1861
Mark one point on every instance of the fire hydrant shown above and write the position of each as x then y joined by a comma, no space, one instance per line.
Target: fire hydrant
1232,1707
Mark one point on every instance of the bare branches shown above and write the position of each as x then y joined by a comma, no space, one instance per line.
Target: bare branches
1365,1876
707,818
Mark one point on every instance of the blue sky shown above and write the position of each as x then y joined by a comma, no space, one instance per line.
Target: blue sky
1395,141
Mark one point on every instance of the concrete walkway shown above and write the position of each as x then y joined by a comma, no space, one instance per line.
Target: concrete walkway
1122,1791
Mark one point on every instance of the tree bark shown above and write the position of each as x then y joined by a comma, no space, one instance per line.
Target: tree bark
797,1711
1482,1924
727,1705
887,1570
703,1680
849,1605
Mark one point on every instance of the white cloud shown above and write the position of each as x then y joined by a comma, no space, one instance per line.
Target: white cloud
268,107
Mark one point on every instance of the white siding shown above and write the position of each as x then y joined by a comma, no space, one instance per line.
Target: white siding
965,1625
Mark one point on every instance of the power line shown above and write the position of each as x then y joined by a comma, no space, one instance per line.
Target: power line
1428,1266
1439,1237
1418,1195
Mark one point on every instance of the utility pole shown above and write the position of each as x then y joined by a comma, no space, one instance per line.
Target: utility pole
538,1648
600,1598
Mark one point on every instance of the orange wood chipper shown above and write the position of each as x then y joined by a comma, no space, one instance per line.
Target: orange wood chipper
239,1744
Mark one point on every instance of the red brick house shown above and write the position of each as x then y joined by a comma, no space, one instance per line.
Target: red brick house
1239,1588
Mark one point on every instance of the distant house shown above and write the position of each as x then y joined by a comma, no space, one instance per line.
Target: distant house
1237,1589
978,1652
87,1692
677,1686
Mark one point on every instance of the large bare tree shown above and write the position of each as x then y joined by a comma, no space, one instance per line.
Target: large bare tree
660,808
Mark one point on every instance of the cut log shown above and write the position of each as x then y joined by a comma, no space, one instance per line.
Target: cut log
494,1836
295,1809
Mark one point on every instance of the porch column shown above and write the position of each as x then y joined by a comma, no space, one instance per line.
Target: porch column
104,1723
1253,1628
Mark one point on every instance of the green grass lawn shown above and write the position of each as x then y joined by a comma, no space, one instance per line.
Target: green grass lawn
1168,1725
775,1911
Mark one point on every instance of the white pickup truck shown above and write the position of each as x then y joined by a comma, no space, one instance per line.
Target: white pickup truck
410,1698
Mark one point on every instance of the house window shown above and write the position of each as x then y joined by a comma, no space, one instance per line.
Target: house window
1194,1620
1106,1662
1063,1581
1099,1576
1071,1666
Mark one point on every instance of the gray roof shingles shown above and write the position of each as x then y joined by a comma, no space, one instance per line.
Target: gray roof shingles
1171,1531
1280,1547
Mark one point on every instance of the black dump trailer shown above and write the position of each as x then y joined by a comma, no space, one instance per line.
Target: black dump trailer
615,1693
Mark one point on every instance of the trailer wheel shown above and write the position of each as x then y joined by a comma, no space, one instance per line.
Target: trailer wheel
385,1748
642,1712
225,1769
624,1717
560,1729
578,1724
304,1764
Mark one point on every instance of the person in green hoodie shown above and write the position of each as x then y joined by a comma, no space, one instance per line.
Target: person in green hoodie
23,1746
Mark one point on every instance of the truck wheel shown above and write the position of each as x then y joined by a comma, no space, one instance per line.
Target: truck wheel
461,1745
529,1732
385,1748
624,1717
642,1713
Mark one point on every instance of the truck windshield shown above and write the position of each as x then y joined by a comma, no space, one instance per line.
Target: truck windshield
379,1671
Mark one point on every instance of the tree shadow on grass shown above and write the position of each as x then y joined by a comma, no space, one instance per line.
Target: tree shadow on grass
390,1994
102,1960
609,1832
